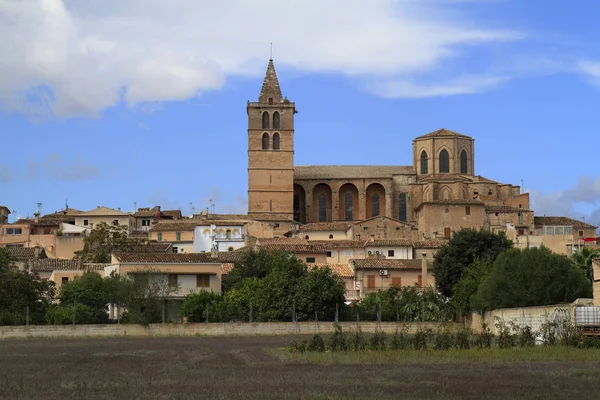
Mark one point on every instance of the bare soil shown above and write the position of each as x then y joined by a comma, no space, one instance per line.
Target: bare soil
227,367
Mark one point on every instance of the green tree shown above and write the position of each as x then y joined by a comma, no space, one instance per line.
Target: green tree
19,291
90,290
531,277
255,264
103,240
195,305
148,294
468,284
318,293
466,246
583,260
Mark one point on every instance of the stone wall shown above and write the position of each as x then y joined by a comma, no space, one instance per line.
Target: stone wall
533,317
200,329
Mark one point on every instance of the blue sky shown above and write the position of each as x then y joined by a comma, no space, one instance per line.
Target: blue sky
115,102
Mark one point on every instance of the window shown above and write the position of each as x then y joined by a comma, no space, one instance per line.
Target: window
424,163
228,234
276,120
265,120
520,216
329,254
306,237
203,280
397,282
348,253
402,214
86,222
521,232
296,207
270,101
265,141
145,222
115,222
464,169
64,280
159,236
322,208
420,280
580,233
370,281
447,233
178,236
310,259
348,207
276,141
14,231
330,236
230,248
468,210
375,204
172,280
366,228
444,161
390,253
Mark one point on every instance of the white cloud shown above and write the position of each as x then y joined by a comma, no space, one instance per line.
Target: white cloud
76,58
591,69
579,201
54,167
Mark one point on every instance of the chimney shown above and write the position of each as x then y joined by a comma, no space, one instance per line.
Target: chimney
36,217
424,264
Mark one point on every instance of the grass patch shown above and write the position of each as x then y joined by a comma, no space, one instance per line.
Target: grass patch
452,356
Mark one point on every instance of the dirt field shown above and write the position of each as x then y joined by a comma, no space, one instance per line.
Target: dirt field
223,368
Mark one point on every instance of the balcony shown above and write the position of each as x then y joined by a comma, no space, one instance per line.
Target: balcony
352,295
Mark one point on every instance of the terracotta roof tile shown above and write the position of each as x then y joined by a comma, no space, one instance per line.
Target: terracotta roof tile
139,235
338,244
429,244
179,258
386,263
341,270
146,248
26,253
382,217
178,225
56,264
443,133
325,226
103,211
505,209
389,243
561,221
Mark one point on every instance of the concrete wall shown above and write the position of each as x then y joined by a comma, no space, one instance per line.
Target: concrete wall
596,283
201,329
531,316
324,235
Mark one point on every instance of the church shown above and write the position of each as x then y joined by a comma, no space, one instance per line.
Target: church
436,195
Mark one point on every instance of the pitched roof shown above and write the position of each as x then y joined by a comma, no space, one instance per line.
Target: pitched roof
443,133
382,217
102,211
178,225
386,263
26,253
429,244
146,248
270,87
178,258
338,244
389,243
139,235
66,211
293,247
151,212
56,264
341,270
325,226
561,221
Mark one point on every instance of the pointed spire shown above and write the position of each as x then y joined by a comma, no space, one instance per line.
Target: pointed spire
270,88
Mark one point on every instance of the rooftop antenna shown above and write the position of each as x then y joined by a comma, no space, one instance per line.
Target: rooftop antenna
134,206
522,188
212,206
66,204
192,209
271,52
39,207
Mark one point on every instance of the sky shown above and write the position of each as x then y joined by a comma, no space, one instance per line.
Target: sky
142,102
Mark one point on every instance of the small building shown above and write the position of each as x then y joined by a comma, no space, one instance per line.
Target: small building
179,233
325,231
222,237
110,216
23,256
382,227
62,271
346,275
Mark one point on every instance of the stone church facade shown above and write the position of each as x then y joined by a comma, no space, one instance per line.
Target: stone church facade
437,195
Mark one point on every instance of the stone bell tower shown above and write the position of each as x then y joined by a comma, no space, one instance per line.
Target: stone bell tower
271,150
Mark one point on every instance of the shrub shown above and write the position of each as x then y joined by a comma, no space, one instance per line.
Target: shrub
505,337
443,340
590,343
63,314
358,341
400,340
549,332
484,339
378,341
338,340
462,339
298,346
420,338
524,335
316,344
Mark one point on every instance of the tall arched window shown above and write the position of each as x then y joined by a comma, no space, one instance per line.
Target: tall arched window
375,204
424,163
322,208
296,207
348,207
402,215
444,161
276,120
276,141
228,234
464,168
265,141
265,120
